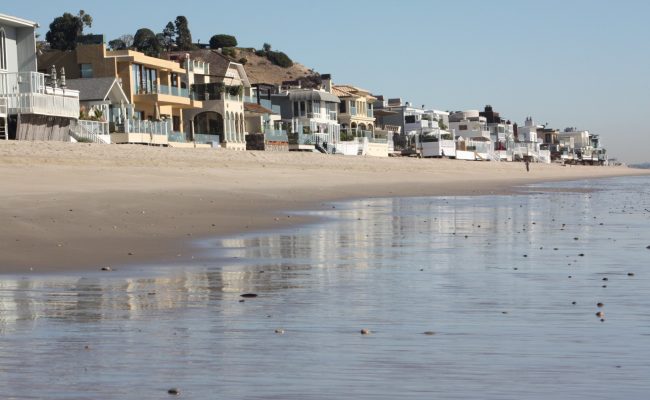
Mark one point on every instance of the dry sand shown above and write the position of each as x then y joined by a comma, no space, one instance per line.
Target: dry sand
80,206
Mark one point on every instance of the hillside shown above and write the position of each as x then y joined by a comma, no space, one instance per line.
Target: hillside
261,70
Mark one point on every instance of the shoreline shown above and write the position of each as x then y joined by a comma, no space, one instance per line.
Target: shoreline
78,207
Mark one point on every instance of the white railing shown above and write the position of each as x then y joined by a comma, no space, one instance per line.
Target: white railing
3,106
95,127
26,92
151,127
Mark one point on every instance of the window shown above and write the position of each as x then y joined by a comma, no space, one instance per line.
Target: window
302,108
342,106
462,127
86,70
295,109
3,50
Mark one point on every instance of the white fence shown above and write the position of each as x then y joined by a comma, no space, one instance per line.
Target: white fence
27,93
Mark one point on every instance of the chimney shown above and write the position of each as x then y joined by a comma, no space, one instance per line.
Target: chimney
326,82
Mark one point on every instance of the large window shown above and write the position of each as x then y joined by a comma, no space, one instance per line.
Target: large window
3,50
86,70
144,79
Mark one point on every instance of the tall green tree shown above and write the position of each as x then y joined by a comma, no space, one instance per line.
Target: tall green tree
66,29
167,36
183,35
146,42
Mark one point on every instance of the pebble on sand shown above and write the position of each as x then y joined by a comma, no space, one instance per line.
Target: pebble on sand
279,331
605,279
630,274
248,295
106,269
599,305
600,314
365,331
174,392
429,333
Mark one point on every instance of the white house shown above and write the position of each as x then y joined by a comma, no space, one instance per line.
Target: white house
312,115
33,105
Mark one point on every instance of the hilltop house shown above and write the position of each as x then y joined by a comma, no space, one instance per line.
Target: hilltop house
311,115
155,91
221,85
33,105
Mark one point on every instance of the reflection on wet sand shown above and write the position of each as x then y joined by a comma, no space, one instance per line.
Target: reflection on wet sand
485,277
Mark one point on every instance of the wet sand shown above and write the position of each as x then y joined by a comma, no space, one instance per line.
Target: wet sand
71,206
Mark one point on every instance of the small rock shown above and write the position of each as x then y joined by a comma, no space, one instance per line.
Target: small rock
630,274
574,302
600,314
525,255
599,305
279,331
648,247
242,300
581,254
249,295
605,279
504,312
576,238
106,269
429,333
130,253
365,331
604,286
174,392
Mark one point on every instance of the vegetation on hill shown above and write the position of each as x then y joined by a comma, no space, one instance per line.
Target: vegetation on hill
174,36
221,40
67,29
276,57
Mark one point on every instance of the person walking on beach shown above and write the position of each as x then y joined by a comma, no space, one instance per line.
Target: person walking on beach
527,165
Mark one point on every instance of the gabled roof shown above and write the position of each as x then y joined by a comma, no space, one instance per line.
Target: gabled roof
95,89
219,63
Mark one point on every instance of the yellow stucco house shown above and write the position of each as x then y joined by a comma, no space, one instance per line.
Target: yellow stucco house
356,114
154,87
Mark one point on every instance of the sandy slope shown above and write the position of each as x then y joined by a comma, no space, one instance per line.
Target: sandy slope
82,206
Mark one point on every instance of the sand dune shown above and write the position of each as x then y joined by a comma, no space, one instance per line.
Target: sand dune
83,206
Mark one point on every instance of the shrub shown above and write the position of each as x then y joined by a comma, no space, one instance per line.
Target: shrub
260,53
279,58
243,60
228,51
222,41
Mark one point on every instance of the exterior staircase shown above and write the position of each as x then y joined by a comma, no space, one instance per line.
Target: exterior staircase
4,134
82,133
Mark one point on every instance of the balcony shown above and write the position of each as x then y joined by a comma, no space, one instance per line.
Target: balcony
353,110
167,95
138,131
27,93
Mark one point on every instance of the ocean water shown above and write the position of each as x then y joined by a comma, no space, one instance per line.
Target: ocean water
506,286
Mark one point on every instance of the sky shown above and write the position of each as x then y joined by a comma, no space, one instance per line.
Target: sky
579,63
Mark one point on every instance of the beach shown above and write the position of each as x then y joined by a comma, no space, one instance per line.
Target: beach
68,206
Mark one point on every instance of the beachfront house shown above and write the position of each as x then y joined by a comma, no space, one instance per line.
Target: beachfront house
221,85
527,144
154,88
423,131
502,134
474,139
581,146
33,105
102,107
311,116
264,121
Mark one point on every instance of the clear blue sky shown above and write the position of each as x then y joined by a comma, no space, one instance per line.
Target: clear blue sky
583,63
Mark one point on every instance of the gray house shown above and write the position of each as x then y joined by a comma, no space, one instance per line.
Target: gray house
33,106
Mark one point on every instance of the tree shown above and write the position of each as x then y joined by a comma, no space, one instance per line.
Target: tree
279,58
220,41
66,29
168,34
267,47
128,40
116,44
183,35
147,42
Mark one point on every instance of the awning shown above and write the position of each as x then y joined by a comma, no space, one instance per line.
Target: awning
255,108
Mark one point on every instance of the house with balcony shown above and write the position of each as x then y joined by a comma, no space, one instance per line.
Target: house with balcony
581,147
355,114
311,116
422,131
33,105
474,141
154,88
264,125
221,85
527,142
502,133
